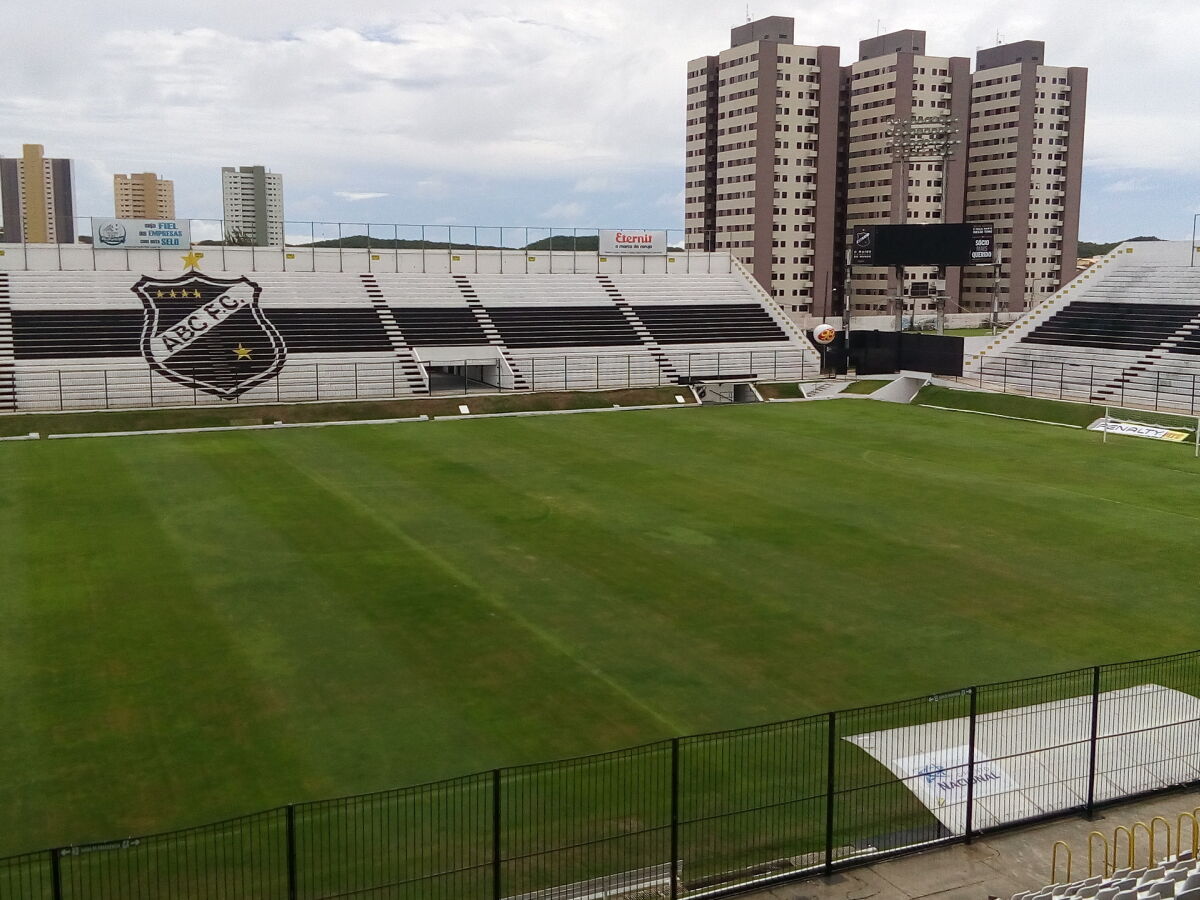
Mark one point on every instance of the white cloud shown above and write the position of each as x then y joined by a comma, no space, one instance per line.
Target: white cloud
600,184
1126,185
566,213
670,201
432,186
478,109
355,196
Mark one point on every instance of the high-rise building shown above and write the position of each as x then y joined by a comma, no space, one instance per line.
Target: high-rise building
37,198
1025,171
761,181
894,80
253,203
143,196
787,150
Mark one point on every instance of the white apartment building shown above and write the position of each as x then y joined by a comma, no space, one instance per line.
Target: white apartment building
252,200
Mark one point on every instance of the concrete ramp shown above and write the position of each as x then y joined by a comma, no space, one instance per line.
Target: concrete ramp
903,388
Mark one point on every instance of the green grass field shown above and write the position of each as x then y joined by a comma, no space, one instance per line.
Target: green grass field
198,626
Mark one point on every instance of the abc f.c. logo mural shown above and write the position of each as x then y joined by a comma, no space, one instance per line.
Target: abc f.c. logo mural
209,334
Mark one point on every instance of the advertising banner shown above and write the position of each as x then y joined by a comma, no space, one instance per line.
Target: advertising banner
940,778
141,234
1137,429
638,241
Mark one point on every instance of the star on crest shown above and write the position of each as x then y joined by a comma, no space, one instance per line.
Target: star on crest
192,259
242,352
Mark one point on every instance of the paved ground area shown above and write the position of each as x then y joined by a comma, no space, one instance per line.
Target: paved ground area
990,867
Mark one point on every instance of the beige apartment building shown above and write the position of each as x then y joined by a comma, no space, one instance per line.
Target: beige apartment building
37,198
787,150
1025,171
761,173
894,80
143,196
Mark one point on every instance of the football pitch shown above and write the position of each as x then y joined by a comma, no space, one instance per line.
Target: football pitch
199,626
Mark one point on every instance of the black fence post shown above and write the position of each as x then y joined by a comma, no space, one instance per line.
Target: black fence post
830,776
291,851
971,761
56,874
1095,740
674,818
497,872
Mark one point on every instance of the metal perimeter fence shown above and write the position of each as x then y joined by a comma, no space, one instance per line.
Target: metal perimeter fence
687,817
297,246
1163,386
138,387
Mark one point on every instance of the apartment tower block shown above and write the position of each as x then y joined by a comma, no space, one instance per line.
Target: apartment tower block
787,150
761,179
143,196
253,202
37,198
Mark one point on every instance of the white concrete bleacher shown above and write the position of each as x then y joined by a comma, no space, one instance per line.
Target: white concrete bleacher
76,343
725,329
74,339
1125,332
1177,877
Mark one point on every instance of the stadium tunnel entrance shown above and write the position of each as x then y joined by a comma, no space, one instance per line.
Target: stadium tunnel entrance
712,393
451,371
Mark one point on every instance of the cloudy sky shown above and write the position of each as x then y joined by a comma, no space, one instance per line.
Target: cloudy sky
544,113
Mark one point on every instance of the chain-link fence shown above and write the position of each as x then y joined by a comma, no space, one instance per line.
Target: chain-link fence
691,816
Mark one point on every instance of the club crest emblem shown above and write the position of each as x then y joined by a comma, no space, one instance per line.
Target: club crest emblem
209,334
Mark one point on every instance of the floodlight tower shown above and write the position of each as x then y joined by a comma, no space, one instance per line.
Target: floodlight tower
921,138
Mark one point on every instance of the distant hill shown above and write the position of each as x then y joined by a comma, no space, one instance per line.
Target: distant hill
1089,249
584,243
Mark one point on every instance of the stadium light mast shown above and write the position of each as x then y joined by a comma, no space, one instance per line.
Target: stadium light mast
934,138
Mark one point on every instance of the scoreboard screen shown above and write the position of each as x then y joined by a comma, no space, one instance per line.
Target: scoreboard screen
969,244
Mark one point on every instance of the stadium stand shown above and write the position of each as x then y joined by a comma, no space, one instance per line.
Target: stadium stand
1177,877
105,339
1126,331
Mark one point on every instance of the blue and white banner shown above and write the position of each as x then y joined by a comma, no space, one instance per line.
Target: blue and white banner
143,234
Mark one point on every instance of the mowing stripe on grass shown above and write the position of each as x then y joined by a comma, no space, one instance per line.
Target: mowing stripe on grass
980,412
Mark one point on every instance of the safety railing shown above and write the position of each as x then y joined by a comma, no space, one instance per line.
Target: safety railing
1168,385
344,246
136,386
692,816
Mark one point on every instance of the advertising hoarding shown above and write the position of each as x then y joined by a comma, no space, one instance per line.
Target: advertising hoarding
141,234
616,242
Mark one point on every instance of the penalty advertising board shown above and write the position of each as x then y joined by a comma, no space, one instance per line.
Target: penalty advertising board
1138,429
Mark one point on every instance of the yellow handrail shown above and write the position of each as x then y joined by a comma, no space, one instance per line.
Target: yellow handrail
1152,859
1054,862
1149,841
1117,843
1179,820
1108,867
